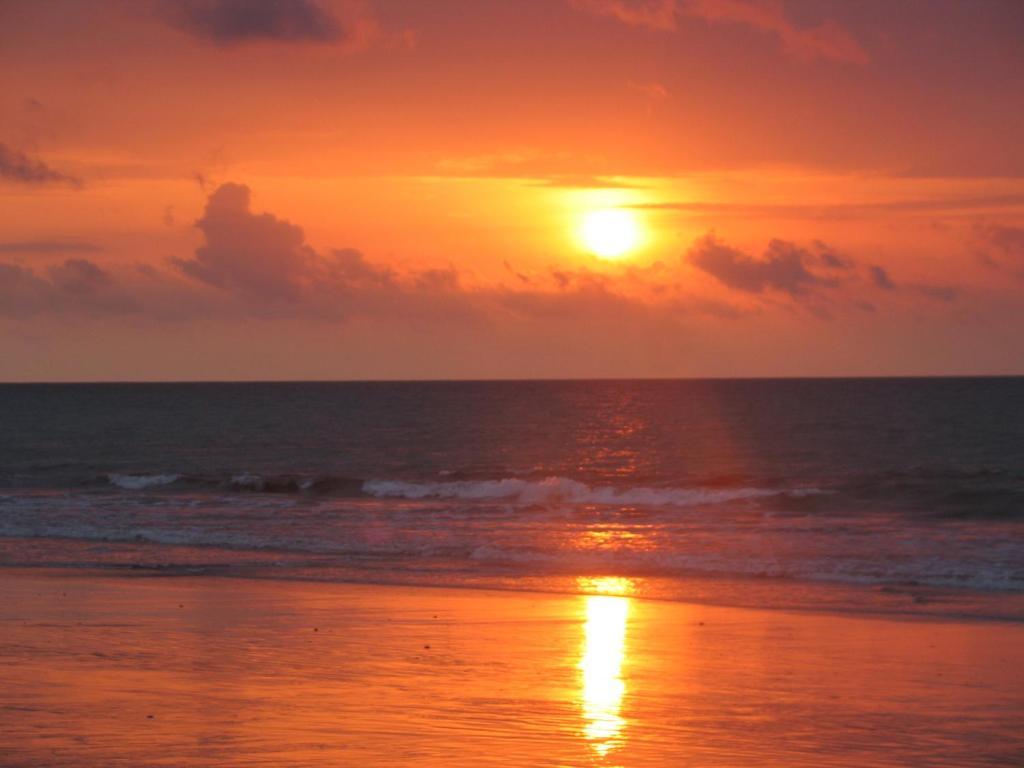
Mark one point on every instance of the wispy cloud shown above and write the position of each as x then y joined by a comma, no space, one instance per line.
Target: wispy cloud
583,181
656,14
827,40
18,167
840,210
48,247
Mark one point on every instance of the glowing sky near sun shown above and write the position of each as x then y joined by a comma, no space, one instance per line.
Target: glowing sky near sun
196,189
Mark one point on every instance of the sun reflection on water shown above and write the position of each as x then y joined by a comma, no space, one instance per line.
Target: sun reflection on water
604,648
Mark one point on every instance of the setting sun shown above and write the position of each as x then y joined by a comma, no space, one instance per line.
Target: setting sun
609,233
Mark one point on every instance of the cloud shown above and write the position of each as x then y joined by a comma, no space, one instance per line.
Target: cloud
1001,246
840,210
945,293
257,256
546,168
656,14
261,265
254,264
880,278
233,22
522,162
784,267
349,266
49,247
653,91
18,167
802,273
79,276
22,292
73,287
827,40
264,264
583,181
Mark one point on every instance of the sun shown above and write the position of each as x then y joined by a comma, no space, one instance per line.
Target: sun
609,233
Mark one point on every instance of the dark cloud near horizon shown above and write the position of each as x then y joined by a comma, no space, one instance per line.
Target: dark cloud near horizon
256,255
880,278
232,22
1002,246
18,167
799,272
257,265
262,264
783,267
72,287
265,263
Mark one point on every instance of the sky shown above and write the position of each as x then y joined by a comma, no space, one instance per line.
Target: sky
389,189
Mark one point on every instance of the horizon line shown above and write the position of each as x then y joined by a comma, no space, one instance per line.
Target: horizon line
498,380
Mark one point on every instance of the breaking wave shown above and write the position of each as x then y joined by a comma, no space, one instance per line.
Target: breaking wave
564,490
140,482
512,490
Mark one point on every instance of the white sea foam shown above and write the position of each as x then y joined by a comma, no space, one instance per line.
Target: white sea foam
248,481
553,490
138,482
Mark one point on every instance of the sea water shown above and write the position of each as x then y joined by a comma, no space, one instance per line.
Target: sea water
907,491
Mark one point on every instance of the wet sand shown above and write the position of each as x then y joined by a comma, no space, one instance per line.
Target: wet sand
101,670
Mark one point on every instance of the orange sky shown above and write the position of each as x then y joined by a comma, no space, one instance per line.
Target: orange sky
250,189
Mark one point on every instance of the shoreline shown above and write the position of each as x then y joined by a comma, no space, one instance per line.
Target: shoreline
906,601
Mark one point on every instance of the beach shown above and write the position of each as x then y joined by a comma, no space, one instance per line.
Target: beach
105,669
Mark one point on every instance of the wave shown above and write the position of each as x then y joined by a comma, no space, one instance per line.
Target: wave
140,482
967,499
243,482
564,490
513,490
314,484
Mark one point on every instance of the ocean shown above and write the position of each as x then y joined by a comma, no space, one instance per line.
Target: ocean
901,495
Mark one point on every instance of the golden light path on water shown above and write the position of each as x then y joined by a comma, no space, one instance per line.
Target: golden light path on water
604,648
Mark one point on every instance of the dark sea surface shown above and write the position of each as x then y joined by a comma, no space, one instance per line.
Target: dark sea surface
903,494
